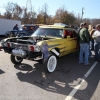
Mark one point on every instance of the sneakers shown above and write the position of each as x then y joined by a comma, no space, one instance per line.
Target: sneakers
86,64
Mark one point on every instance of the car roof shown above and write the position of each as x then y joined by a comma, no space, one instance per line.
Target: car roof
57,25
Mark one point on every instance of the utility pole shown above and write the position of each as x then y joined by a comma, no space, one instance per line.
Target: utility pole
82,13
29,9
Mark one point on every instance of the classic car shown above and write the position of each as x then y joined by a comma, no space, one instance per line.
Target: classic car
47,44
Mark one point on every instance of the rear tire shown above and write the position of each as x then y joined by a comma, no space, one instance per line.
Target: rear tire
51,63
16,59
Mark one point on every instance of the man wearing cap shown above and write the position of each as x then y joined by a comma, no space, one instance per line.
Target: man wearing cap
84,44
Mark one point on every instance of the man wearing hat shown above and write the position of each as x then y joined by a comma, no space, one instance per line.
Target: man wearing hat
84,44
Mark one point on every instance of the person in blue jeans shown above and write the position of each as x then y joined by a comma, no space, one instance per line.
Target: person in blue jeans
84,47
96,36
84,44
96,50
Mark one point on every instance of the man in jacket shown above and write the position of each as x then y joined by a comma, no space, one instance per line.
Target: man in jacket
84,44
15,27
96,36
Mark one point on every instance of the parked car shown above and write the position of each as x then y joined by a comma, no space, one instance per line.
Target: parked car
46,45
29,28
24,30
16,33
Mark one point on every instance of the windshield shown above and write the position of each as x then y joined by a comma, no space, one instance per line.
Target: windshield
48,32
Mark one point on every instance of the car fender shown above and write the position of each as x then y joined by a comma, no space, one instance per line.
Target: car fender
55,52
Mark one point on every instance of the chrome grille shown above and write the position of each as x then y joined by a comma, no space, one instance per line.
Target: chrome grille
19,46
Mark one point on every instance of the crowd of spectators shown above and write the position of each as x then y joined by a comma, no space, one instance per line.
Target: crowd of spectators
88,41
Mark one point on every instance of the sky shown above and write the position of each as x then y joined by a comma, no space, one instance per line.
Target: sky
91,8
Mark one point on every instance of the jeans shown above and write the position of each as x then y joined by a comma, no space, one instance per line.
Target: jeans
92,44
96,50
84,49
90,53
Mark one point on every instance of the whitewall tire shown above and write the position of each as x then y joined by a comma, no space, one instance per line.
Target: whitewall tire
51,63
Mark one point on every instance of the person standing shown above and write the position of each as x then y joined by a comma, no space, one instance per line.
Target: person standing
92,40
96,36
15,27
84,44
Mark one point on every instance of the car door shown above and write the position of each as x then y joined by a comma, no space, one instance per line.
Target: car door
58,41
70,41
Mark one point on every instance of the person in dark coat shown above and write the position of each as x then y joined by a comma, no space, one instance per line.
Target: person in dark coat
15,27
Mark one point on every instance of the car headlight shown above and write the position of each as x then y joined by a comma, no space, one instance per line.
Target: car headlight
4,43
37,48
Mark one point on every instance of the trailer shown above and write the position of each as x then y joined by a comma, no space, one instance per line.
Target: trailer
7,25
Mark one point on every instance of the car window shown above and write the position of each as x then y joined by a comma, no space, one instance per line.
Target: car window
48,32
68,33
71,33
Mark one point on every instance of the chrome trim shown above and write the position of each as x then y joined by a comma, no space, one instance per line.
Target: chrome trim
19,53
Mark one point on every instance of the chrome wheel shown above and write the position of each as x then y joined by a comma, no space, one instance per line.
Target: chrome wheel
51,63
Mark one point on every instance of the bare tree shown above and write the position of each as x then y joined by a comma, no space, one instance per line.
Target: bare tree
1,16
50,20
40,19
63,16
25,16
14,11
33,16
17,13
45,10
78,20
43,14
9,8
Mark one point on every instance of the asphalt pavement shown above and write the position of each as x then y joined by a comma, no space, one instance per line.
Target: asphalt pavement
29,81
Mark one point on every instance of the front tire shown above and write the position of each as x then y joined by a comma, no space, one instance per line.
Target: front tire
16,59
51,63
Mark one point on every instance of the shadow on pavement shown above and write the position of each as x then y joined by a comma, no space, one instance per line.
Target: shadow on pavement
1,72
23,67
68,72
54,82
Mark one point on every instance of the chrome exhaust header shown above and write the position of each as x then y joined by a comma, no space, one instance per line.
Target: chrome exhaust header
19,53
